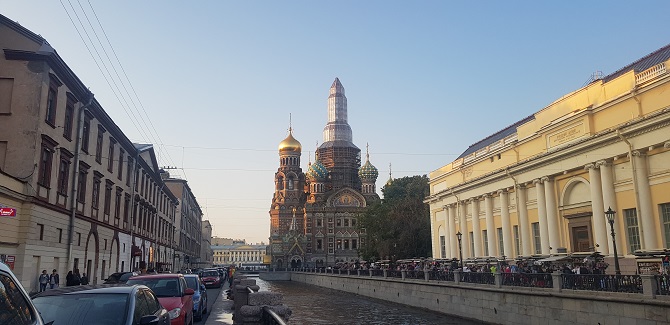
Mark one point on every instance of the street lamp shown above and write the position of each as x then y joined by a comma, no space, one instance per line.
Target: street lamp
610,218
460,248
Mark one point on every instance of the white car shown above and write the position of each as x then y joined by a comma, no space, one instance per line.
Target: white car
16,308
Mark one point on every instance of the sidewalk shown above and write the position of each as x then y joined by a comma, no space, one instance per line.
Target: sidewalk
221,311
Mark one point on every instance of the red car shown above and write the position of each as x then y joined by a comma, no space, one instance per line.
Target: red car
211,278
173,293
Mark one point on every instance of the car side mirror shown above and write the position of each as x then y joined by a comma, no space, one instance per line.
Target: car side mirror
149,320
202,287
189,292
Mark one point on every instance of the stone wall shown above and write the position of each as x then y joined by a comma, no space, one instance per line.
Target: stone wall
507,305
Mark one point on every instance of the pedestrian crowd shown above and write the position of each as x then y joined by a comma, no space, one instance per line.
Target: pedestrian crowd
52,281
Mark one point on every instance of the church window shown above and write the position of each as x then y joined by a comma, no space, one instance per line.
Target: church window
319,222
319,244
290,183
339,222
353,244
353,222
280,183
346,222
346,244
339,244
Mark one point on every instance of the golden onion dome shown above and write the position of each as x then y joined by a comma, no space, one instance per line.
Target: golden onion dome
290,143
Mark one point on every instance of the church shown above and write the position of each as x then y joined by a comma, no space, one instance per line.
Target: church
314,215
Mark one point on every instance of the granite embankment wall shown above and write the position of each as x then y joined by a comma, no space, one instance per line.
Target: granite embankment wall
505,305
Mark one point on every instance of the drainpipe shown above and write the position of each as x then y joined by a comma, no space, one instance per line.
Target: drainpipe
635,186
75,177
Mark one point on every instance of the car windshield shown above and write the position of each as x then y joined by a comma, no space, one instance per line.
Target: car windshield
82,309
210,273
192,282
13,304
161,287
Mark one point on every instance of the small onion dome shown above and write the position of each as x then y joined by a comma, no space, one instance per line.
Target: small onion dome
367,172
317,171
290,143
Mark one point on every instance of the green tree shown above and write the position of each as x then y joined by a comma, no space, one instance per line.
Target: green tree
399,225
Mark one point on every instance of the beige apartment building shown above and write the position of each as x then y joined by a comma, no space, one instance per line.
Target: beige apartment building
75,192
543,184
188,223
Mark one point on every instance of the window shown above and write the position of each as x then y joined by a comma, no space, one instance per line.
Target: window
40,231
126,208
665,222
485,238
15,307
632,230
121,155
536,237
130,171
354,244
60,235
86,134
69,117
81,186
117,204
46,161
98,144
517,243
319,222
443,249
110,155
96,190
346,222
353,222
64,171
346,244
319,244
78,244
52,101
339,222
108,196
501,245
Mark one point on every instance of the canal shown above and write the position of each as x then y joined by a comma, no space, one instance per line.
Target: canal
317,305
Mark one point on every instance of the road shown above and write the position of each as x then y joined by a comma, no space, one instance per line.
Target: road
212,295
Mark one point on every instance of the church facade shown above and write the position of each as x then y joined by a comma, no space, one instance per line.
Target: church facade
314,215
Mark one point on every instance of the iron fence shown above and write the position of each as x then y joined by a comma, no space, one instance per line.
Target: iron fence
477,277
538,280
662,285
603,282
441,275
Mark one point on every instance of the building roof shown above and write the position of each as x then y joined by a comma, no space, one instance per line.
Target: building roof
646,62
238,247
495,137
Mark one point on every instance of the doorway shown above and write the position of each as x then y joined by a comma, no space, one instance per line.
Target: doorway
580,239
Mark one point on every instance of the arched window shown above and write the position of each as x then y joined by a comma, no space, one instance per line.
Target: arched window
280,183
290,183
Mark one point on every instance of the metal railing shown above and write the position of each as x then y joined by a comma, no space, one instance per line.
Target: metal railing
662,285
414,274
440,275
477,277
394,274
538,280
603,282
269,317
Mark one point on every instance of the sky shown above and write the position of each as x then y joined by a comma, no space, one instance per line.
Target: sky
212,83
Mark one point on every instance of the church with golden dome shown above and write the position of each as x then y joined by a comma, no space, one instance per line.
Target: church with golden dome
314,215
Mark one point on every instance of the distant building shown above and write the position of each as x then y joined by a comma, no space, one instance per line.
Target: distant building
206,253
188,223
542,185
220,241
240,255
313,216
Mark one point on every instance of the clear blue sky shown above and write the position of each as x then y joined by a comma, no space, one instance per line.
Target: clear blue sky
424,79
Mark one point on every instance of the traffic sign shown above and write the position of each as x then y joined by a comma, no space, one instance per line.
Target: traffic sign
7,212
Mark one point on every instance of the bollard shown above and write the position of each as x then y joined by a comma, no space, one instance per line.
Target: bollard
649,285
497,279
370,272
426,275
386,275
403,274
348,272
458,273
557,279
359,272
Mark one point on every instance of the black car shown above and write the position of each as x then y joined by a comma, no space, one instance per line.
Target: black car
119,277
101,304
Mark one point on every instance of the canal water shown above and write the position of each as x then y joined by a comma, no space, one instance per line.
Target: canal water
317,305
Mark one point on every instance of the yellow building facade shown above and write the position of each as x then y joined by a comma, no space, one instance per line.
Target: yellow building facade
543,184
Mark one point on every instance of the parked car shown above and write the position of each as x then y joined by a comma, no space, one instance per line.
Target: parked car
103,304
119,277
172,292
211,278
199,297
15,305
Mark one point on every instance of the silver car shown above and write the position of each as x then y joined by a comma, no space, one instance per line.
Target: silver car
16,308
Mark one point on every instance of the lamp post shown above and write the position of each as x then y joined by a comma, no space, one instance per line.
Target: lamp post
610,218
459,236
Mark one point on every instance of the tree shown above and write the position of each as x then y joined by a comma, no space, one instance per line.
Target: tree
398,226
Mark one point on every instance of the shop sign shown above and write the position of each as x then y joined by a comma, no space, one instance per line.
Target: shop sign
6,211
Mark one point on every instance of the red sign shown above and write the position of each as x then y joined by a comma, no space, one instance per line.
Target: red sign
7,212
10,261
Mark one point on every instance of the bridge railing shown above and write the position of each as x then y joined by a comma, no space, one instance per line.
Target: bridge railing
477,277
662,285
603,282
441,275
537,280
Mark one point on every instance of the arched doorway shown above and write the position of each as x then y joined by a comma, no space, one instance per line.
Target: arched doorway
577,211
91,258
296,262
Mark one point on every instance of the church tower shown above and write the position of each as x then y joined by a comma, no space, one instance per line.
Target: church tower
287,220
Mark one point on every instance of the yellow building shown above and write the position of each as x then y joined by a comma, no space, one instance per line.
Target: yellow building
543,184
240,254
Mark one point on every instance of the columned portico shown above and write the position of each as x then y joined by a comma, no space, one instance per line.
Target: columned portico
542,215
490,225
463,225
645,214
452,228
447,233
506,226
476,229
522,213
609,200
597,208
552,214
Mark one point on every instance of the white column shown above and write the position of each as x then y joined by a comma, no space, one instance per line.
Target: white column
453,231
598,217
552,214
490,225
476,229
524,225
645,211
463,226
542,215
609,200
447,233
506,224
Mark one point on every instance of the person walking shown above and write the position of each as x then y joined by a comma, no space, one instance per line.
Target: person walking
231,274
54,279
76,278
69,279
43,280
84,279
